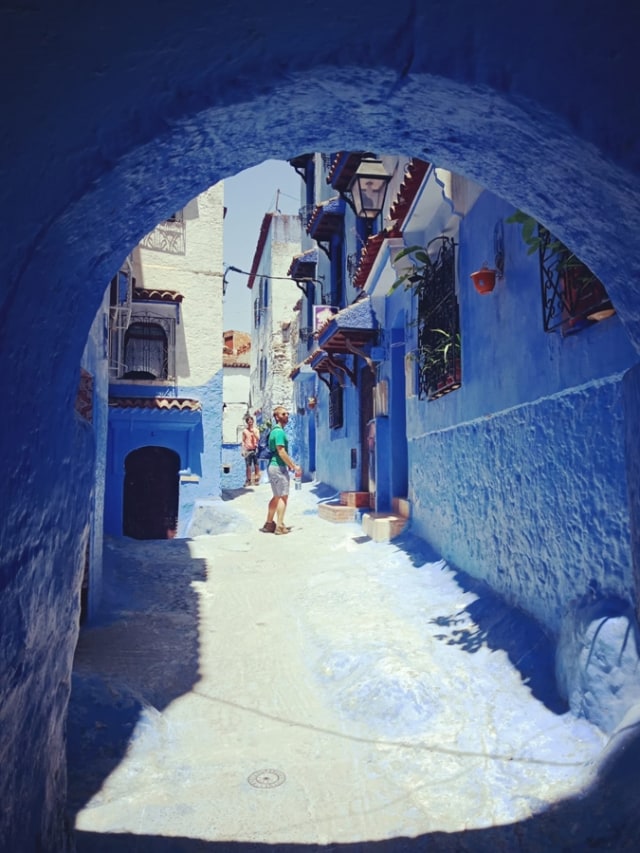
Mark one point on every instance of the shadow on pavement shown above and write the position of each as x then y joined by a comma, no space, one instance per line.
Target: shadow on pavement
151,614
139,655
490,622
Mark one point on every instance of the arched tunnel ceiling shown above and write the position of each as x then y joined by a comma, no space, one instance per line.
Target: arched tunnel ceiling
119,116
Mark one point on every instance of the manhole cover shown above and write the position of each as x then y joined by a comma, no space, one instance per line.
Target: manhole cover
267,778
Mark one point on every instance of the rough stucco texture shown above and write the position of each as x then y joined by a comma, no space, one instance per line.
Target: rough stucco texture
542,483
121,113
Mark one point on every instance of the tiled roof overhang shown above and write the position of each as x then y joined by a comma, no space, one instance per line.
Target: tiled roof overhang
324,363
353,327
368,258
301,369
304,266
162,404
343,167
414,175
326,219
141,294
318,361
300,162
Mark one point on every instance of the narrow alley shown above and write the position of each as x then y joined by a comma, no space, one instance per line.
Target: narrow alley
248,691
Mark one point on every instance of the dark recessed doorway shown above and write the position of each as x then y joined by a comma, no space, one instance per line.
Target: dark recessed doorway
151,483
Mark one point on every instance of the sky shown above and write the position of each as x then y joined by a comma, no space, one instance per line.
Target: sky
271,186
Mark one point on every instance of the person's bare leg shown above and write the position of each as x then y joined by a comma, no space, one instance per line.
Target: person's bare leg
280,511
272,508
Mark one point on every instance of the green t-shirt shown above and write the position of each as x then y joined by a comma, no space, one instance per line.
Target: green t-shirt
278,438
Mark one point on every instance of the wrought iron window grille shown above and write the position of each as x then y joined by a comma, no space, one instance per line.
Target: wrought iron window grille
438,353
146,351
572,296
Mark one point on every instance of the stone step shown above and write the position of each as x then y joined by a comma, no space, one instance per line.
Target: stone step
383,526
401,506
336,512
357,499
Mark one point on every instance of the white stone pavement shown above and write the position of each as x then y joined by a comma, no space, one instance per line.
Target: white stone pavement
313,689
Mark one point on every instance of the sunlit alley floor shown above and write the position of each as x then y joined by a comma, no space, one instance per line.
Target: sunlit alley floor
315,689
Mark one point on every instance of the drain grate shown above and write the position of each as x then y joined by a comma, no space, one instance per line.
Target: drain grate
268,778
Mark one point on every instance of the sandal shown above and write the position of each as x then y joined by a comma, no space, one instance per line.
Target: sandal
280,531
268,527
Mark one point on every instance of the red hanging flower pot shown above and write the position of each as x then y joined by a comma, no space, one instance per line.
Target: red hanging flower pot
484,279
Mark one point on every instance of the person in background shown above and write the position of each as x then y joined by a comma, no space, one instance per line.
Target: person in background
250,437
279,466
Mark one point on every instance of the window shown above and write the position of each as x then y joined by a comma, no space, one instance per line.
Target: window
264,293
178,216
336,408
438,351
146,352
572,296
337,271
263,372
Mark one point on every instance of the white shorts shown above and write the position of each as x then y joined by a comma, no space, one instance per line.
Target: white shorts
279,479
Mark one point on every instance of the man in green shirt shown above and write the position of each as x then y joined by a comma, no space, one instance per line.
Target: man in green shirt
279,466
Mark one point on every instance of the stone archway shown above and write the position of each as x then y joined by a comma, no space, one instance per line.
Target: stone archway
117,116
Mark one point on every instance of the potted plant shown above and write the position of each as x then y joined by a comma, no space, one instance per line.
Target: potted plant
416,261
582,295
438,350
484,279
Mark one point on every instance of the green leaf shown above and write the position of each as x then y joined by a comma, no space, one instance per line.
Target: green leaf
408,251
528,228
518,217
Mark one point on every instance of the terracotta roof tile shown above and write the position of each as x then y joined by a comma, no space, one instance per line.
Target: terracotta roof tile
343,167
414,175
326,219
141,293
368,258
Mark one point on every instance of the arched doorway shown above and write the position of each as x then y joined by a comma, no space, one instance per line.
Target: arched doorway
150,506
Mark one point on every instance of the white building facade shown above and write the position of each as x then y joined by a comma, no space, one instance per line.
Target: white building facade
165,393
275,297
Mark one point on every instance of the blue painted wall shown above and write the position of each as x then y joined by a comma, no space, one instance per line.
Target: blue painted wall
519,477
110,128
194,436
95,361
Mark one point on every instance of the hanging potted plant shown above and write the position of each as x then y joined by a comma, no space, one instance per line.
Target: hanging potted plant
484,279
